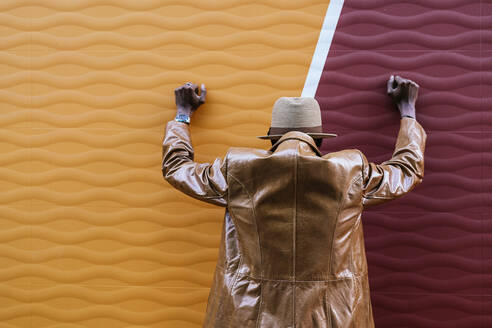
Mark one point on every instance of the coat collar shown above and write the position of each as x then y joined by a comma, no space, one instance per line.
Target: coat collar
298,135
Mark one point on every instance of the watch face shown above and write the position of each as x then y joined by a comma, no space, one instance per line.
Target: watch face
182,118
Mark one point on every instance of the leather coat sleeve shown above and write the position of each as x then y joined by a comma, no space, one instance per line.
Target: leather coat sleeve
400,174
203,181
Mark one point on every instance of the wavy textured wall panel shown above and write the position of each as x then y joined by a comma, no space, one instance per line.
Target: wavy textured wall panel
91,235
428,252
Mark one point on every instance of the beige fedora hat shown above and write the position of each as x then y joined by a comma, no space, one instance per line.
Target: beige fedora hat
296,113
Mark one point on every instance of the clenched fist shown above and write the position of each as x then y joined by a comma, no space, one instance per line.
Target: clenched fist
404,93
187,98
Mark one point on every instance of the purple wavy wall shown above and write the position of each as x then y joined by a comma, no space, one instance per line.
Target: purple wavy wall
429,252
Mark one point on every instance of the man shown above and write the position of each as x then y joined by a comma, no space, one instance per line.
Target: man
292,250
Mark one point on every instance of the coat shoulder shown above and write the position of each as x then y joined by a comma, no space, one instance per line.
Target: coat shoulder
351,154
237,153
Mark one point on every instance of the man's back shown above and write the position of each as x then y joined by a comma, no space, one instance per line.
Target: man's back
294,198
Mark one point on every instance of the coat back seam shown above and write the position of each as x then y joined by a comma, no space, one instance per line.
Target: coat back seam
258,240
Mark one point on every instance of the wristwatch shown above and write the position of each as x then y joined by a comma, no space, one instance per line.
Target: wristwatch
182,118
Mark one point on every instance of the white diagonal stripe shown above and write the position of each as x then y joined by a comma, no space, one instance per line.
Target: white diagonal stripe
322,48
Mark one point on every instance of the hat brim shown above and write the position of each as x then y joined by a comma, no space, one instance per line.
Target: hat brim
312,134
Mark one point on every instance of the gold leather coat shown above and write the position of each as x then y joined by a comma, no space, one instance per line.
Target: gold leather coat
292,250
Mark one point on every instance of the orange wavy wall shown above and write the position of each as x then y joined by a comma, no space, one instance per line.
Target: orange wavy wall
90,233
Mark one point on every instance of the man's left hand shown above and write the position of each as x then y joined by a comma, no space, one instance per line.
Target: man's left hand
187,98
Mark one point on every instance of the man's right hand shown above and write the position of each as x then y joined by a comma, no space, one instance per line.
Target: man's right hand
404,93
